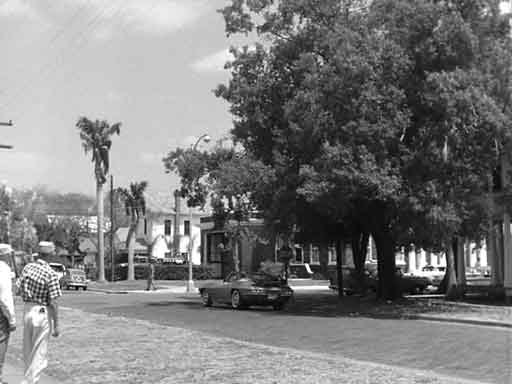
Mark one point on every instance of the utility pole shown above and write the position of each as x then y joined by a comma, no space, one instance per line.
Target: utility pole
112,265
6,124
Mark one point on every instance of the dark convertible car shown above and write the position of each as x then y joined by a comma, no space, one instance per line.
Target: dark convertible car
241,290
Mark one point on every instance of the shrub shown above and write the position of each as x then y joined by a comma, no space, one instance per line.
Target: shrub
163,272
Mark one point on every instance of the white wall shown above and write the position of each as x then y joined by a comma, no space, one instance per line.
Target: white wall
156,227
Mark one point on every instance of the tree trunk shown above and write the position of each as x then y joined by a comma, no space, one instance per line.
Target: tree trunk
387,285
340,246
130,242
461,262
499,253
359,248
451,276
100,262
236,258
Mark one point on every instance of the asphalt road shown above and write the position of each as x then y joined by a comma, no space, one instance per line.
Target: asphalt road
466,351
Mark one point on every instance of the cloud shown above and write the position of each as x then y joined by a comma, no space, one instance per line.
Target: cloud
104,19
153,17
214,62
18,8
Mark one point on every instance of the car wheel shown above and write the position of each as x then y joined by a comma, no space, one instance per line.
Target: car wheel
207,300
76,288
236,300
84,288
278,306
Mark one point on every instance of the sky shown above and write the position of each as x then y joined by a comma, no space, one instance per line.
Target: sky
150,64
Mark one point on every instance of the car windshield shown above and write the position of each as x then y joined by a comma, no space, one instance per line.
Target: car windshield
56,267
76,272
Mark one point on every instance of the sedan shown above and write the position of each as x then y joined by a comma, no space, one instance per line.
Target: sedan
241,290
74,278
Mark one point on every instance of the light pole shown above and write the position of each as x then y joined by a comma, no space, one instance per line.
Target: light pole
190,283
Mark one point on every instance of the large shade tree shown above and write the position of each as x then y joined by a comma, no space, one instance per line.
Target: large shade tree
385,112
230,181
135,206
96,138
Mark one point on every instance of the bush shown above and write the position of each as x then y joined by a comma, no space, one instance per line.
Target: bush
163,272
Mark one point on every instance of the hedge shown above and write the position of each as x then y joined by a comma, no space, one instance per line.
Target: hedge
162,272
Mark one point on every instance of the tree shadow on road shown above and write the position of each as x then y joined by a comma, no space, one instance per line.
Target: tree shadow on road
324,305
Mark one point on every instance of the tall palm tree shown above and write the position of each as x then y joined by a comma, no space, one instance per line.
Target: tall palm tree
97,138
135,205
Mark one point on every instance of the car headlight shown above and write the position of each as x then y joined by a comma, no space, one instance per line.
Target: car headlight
257,290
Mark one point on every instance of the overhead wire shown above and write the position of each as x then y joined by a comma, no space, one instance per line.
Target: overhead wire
77,40
121,28
56,34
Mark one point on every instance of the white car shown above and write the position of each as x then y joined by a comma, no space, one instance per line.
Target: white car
434,274
60,269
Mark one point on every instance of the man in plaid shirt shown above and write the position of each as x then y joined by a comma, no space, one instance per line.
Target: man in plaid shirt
39,287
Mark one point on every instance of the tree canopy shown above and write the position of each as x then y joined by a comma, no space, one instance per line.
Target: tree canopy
391,113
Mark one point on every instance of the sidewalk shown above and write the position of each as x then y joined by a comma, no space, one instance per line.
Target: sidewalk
13,374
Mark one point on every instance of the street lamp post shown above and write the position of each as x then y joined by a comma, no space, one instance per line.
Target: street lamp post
190,282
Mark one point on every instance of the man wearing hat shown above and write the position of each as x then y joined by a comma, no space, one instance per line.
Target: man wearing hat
39,287
7,315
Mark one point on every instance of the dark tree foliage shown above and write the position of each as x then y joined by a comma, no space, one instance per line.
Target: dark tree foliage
388,115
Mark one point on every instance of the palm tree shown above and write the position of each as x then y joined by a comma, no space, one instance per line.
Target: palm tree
135,205
97,138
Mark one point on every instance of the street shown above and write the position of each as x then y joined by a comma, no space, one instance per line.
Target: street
471,352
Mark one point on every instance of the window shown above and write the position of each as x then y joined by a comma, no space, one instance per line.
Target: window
145,226
167,227
332,255
315,255
298,254
187,227
306,254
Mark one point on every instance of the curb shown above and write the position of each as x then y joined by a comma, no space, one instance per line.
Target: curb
108,291
486,323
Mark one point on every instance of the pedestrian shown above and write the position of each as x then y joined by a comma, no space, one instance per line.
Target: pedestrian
7,314
39,288
151,275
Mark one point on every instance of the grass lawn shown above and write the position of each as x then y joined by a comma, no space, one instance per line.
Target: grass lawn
96,348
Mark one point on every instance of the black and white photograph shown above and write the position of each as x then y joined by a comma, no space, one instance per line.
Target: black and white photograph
256,191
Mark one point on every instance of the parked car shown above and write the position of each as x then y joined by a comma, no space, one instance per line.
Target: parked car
434,274
60,269
74,278
241,290
407,284
174,260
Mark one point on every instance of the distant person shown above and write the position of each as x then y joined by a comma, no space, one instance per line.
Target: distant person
7,314
39,288
151,276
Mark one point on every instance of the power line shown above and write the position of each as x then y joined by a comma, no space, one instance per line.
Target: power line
121,27
78,37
